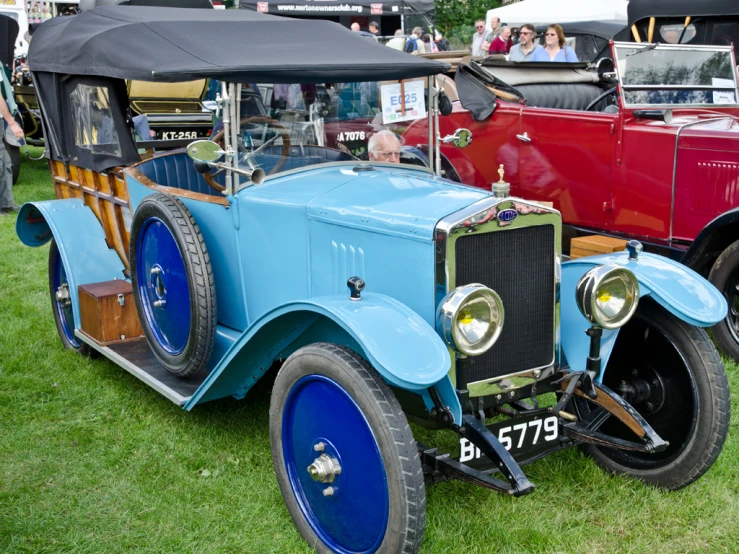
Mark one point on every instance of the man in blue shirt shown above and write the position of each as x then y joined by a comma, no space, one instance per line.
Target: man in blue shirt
524,50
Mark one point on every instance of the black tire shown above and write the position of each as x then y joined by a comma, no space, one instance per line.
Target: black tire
62,310
15,158
196,336
725,277
393,437
688,402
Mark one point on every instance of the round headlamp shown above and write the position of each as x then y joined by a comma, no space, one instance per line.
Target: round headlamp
608,295
470,319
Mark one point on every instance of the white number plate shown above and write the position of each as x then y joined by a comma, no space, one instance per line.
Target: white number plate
172,135
517,436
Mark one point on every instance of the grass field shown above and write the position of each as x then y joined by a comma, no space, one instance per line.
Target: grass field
94,461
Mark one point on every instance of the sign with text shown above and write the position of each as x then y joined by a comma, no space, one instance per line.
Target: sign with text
402,102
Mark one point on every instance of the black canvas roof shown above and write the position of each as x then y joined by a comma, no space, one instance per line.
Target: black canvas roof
604,29
171,44
8,34
641,9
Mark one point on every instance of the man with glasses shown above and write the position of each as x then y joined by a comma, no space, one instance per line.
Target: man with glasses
384,146
480,39
524,50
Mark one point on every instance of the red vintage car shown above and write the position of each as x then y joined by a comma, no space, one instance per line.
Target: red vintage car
647,150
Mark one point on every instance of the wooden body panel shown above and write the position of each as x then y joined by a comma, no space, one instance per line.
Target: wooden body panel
593,245
108,312
106,194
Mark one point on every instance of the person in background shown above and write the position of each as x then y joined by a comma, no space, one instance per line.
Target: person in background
524,50
479,39
555,49
495,28
502,43
374,28
355,27
398,41
7,204
414,45
441,43
384,146
429,44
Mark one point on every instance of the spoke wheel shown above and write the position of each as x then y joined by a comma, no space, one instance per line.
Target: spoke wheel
725,277
672,375
173,284
61,303
344,456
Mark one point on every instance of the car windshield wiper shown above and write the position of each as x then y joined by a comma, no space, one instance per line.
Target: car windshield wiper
645,49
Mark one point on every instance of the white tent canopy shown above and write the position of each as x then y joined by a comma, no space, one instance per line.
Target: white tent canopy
543,12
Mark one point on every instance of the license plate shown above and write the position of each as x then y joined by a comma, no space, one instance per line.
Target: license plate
523,437
173,135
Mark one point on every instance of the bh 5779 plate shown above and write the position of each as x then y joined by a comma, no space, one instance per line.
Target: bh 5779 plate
524,437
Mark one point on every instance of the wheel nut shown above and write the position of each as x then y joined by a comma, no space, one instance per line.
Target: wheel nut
319,447
650,406
328,491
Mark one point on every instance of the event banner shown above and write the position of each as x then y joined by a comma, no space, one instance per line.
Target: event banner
339,7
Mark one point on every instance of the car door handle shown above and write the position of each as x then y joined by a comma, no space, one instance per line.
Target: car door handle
524,138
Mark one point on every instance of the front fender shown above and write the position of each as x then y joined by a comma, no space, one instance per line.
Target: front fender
678,289
79,237
400,345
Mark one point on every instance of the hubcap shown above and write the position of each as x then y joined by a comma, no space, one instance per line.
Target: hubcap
163,287
351,514
731,291
63,302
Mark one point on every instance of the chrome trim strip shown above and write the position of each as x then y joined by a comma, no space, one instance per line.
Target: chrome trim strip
444,281
674,165
134,370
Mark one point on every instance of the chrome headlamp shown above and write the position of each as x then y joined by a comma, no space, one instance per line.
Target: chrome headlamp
608,295
470,319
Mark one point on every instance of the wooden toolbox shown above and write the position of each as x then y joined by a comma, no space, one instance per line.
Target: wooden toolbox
108,312
595,244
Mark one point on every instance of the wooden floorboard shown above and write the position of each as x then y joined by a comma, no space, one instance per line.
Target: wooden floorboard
138,353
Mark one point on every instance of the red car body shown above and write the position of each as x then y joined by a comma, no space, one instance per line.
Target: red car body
673,185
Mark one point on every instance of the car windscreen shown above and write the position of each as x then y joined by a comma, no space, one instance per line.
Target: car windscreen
285,127
675,75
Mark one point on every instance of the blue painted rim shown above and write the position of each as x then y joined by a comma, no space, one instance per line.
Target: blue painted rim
66,314
353,520
161,277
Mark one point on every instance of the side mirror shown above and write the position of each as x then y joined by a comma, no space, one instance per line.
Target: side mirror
204,151
606,68
445,105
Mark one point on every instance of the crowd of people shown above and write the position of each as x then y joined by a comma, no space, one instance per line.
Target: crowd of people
497,39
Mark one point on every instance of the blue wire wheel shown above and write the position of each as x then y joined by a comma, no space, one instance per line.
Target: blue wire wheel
344,456
61,302
173,284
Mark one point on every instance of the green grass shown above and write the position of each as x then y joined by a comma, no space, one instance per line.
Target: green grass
92,460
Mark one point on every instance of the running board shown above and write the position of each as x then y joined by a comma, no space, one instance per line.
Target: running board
136,357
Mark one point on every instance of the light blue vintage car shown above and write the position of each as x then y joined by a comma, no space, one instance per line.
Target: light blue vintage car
379,293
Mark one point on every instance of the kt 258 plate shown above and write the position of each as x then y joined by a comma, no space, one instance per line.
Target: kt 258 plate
525,437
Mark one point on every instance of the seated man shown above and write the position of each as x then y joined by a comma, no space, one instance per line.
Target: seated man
384,146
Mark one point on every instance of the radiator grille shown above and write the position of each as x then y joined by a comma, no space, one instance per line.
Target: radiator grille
519,265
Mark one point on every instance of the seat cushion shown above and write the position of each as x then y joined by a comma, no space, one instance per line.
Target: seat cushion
177,170
562,96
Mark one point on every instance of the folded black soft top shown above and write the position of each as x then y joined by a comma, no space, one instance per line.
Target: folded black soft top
171,44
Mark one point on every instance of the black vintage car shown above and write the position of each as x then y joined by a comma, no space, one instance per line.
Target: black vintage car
684,21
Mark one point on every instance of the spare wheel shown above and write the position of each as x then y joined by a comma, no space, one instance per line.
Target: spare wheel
173,284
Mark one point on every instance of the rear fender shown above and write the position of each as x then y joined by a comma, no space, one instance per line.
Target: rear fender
711,241
678,289
404,349
79,237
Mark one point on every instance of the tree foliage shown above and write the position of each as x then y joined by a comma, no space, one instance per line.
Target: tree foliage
456,18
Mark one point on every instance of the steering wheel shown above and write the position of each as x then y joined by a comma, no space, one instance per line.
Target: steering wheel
600,97
218,137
